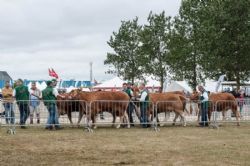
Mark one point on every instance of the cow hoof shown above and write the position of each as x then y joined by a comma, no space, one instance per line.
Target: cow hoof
128,126
95,127
161,125
173,124
118,126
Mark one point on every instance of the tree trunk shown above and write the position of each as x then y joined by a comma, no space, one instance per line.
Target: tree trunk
162,81
238,80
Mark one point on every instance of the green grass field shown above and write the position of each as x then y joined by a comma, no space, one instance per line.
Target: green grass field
173,145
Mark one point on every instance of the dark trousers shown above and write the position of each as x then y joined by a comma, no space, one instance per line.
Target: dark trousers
24,112
144,119
130,110
204,112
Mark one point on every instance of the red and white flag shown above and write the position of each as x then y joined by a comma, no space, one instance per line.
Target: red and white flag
52,73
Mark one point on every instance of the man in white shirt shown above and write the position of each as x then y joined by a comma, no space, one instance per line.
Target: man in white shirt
144,99
35,97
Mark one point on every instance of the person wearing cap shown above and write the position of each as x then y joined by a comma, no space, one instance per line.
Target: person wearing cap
21,94
7,93
35,97
144,99
49,95
54,84
204,106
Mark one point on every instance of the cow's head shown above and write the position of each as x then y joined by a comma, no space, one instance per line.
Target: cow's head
75,93
194,96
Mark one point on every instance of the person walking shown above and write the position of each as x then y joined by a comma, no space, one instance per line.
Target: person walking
21,94
35,97
204,106
49,95
7,93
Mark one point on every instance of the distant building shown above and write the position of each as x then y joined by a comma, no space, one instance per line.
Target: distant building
4,76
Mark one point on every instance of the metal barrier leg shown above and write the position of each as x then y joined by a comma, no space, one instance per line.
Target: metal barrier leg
214,123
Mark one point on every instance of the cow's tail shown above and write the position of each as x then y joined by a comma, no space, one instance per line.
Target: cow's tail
184,103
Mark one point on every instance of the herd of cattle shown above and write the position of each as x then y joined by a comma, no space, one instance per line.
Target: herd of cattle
116,103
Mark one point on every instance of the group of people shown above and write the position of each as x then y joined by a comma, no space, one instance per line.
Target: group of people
143,97
28,101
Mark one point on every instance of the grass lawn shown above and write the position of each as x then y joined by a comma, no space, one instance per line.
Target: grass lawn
173,145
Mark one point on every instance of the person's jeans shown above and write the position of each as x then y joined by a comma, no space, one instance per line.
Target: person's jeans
34,109
143,108
204,112
53,116
9,113
24,112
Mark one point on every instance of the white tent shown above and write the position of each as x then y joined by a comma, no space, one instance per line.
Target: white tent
178,86
42,86
109,84
117,83
150,82
210,85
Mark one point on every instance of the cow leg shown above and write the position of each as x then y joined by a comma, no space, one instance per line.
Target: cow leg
80,118
125,115
209,114
237,118
94,117
70,117
114,119
137,111
167,116
223,115
237,114
175,118
199,115
183,119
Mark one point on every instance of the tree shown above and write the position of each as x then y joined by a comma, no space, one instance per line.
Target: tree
155,39
223,32
185,56
125,44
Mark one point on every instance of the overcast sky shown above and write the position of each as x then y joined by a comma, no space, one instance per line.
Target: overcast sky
65,34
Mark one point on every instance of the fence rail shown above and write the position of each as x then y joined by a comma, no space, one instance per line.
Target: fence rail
125,113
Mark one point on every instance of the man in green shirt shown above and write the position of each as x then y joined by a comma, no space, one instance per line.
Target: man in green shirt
21,94
49,97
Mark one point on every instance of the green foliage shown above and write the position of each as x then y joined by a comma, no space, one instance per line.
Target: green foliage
222,31
155,39
208,38
125,44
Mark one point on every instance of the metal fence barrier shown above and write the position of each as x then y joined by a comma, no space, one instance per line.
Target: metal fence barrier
23,114
232,111
122,113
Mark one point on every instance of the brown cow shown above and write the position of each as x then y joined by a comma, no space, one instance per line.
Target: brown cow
183,99
167,102
66,106
114,102
223,103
